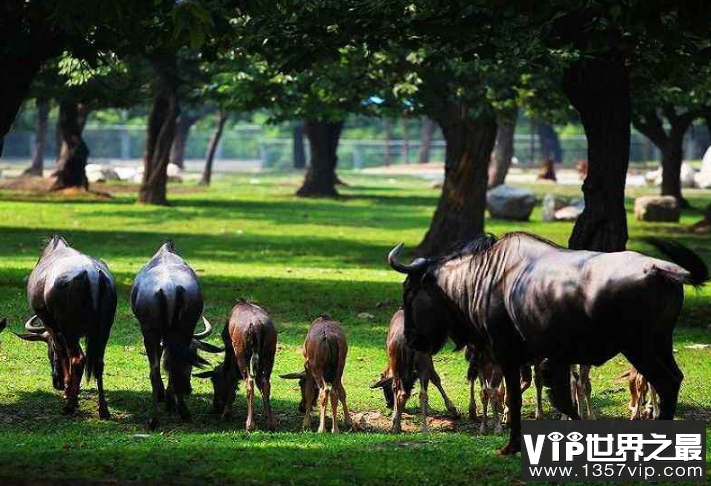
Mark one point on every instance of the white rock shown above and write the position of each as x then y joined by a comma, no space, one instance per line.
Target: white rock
551,204
126,173
569,213
656,208
508,202
100,173
654,177
686,175
174,173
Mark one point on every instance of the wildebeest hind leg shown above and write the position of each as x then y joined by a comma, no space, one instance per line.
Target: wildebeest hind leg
661,370
513,388
154,352
77,361
103,407
557,378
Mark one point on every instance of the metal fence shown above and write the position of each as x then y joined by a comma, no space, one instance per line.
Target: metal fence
248,144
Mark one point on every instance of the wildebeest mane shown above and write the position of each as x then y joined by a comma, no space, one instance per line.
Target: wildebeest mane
486,241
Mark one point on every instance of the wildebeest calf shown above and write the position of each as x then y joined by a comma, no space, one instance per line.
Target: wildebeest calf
405,366
74,295
641,405
250,341
325,350
166,298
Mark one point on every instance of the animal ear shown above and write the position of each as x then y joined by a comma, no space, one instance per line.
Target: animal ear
207,347
204,374
294,376
33,337
381,382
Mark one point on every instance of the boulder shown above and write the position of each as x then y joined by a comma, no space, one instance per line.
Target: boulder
686,175
508,202
569,213
654,177
656,208
561,208
126,173
551,204
100,173
703,177
175,173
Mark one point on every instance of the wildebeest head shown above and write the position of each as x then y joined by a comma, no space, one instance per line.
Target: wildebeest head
39,333
222,386
181,359
303,383
429,315
386,384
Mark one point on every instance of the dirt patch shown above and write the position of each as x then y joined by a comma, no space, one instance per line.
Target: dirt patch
373,421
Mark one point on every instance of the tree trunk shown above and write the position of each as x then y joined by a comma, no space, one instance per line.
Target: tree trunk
177,150
212,148
160,130
671,145
15,78
73,155
599,91
37,165
428,128
320,179
405,142
460,211
503,153
299,149
388,136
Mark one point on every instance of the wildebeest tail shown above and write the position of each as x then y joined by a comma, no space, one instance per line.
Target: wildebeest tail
254,345
97,283
330,347
470,357
685,258
170,300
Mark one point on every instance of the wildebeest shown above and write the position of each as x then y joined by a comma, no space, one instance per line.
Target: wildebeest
74,295
250,340
491,382
405,366
166,298
525,298
325,351
644,402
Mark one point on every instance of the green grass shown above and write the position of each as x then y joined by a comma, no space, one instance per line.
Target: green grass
298,258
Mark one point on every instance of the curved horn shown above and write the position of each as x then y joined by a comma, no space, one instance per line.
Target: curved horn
29,327
33,336
208,348
417,265
294,376
206,332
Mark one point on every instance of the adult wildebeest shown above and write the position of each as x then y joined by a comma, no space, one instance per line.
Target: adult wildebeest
250,340
405,366
524,297
166,298
74,295
325,351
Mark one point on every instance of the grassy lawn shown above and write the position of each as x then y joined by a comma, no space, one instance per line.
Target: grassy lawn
298,258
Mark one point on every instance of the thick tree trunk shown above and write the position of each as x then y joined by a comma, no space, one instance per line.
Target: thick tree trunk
16,76
320,179
212,148
427,132
460,211
74,153
672,158
177,150
502,154
37,165
299,149
599,90
160,130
